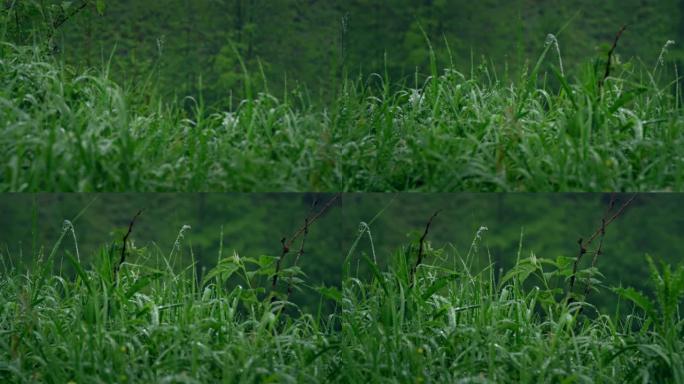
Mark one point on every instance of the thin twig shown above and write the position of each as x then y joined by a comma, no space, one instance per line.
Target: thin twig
601,231
63,19
421,248
123,247
299,254
582,251
611,219
598,253
287,243
311,219
610,55
583,246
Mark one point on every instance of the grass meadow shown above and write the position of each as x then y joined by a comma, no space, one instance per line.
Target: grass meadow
417,313
542,130
428,315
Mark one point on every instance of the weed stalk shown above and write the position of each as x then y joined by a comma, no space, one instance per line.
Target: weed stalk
122,259
421,248
599,233
610,55
302,231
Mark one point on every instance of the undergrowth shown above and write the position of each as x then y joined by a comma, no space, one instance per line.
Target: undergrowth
62,130
146,319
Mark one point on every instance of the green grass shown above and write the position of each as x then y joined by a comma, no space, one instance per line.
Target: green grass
62,130
452,322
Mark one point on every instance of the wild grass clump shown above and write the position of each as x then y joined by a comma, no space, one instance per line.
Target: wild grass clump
63,130
440,320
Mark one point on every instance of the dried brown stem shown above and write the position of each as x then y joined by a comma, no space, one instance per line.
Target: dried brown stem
601,231
610,55
303,230
421,248
598,253
582,251
299,254
122,259
611,219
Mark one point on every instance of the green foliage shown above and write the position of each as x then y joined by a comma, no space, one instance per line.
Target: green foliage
66,130
662,318
317,43
34,21
669,289
100,6
451,323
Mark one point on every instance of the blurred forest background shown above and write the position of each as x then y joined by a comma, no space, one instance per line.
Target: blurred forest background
194,47
253,224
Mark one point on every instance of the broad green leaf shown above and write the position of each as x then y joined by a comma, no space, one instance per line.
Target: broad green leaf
521,271
436,286
292,271
223,271
100,5
79,270
625,98
376,272
637,298
565,85
142,283
262,261
331,293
